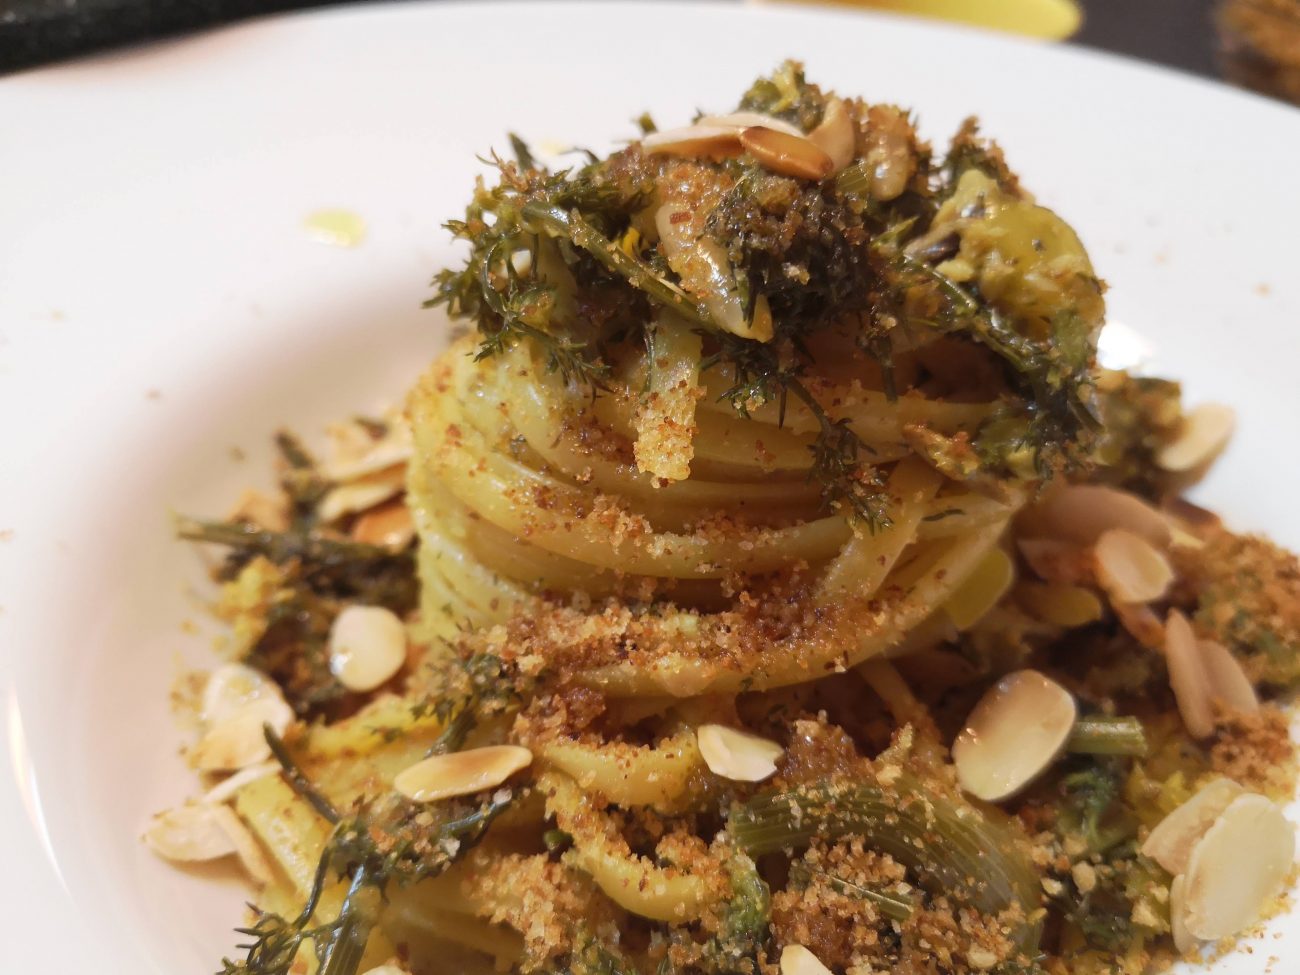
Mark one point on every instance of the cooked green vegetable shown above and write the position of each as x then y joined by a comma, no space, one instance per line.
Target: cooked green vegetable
1093,808
1107,735
896,907
952,847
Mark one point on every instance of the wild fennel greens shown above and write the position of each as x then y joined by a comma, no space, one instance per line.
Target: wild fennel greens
568,261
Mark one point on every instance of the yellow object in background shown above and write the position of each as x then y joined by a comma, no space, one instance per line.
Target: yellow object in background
1052,20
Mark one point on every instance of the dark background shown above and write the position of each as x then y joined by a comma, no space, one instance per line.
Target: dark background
1171,32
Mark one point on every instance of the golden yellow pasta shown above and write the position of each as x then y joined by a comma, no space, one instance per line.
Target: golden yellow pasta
767,580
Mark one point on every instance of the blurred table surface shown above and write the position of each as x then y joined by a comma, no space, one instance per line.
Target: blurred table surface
32,32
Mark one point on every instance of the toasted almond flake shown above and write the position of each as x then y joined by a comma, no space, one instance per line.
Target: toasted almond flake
227,788
387,970
1228,683
798,960
714,141
745,120
249,851
232,686
788,155
356,458
1181,538
1206,430
981,959
199,832
835,135
1130,568
461,773
982,589
239,740
1237,867
1059,603
737,755
1170,843
367,647
1183,940
1081,512
389,526
1057,561
1187,676
1142,624
1014,733
189,834
360,495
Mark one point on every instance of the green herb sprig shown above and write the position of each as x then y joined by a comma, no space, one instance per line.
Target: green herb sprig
388,840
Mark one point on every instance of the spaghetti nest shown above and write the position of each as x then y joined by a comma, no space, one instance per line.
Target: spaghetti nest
724,431
533,514
774,443
724,427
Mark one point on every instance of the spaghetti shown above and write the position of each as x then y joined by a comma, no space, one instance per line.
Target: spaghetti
771,529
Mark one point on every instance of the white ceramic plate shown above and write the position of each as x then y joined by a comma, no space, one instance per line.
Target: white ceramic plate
162,307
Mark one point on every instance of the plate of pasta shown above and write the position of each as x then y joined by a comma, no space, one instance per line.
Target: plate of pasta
823,512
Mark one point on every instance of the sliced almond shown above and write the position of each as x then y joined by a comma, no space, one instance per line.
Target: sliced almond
788,155
199,832
1014,733
712,141
1059,603
358,455
1170,843
982,590
798,960
239,740
389,526
835,135
361,495
1057,561
1081,512
1205,433
387,970
1181,538
1228,682
190,834
1130,568
1183,939
461,773
1239,865
249,851
747,120
228,787
737,755
1187,676
1142,624
232,686
367,647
